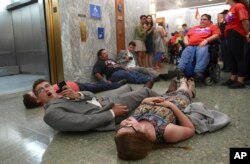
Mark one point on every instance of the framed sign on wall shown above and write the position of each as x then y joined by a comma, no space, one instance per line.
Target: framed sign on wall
95,11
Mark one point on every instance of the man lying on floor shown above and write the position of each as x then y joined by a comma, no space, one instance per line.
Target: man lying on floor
81,111
30,100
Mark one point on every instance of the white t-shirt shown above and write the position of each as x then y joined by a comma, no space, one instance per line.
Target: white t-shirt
131,63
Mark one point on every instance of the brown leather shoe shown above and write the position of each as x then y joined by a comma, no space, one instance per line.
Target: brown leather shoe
172,86
149,84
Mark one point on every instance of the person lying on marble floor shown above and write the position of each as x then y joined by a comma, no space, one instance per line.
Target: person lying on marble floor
105,67
30,100
81,111
164,120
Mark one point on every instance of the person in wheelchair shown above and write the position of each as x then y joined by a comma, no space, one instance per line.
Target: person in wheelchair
197,42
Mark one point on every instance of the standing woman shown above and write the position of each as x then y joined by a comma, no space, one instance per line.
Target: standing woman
149,42
159,44
140,36
236,30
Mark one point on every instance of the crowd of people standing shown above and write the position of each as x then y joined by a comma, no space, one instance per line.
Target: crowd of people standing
151,43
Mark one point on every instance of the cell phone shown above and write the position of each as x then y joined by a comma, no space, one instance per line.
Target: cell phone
60,85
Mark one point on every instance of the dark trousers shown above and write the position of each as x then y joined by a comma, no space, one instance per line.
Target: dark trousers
236,44
98,87
247,56
224,55
131,76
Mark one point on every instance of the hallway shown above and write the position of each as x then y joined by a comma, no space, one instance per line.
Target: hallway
25,138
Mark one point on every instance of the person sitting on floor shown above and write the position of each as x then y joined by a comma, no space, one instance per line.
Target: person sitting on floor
127,59
115,72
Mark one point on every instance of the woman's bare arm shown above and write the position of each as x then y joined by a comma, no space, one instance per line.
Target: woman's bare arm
175,133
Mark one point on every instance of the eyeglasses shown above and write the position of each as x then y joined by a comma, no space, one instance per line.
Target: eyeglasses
203,19
42,89
127,126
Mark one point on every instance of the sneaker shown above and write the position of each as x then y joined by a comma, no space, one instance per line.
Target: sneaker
237,85
228,82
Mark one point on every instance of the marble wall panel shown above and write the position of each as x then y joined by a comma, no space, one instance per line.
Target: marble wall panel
79,57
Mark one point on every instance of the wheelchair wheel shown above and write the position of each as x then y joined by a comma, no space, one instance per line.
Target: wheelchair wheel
216,73
209,81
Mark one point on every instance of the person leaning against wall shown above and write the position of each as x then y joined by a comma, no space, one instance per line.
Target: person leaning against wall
236,32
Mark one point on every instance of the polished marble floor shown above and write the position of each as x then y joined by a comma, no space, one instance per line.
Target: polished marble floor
17,83
26,139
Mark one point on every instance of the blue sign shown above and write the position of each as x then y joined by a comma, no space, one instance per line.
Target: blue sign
100,33
95,11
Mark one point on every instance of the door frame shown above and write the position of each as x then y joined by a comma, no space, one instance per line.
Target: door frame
120,25
53,23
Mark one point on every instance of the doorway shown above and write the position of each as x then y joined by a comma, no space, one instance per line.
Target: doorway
23,47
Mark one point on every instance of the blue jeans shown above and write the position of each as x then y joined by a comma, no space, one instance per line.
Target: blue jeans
131,76
97,87
199,53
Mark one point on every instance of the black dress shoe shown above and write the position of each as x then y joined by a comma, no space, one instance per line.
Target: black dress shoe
179,73
228,82
237,85
199,76
247,82
156,79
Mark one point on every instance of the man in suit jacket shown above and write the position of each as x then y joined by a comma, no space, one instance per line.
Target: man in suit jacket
80,111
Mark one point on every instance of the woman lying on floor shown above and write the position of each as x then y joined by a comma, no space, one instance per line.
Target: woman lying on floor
155,121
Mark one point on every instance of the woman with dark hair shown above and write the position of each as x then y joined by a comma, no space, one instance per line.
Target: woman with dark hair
236,33
155,121
149,42
140,36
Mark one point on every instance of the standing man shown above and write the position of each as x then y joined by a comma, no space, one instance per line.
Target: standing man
185,28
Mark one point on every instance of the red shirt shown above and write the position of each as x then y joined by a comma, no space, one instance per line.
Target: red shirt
234,18
72,84
197,34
